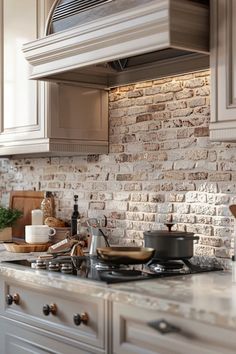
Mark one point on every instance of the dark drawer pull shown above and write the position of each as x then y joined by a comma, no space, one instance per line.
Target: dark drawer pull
164,327
10,299
78,319
47,309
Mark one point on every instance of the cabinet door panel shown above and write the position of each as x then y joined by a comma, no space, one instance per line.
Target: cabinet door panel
223,70
227,60
22,113
39,117
78,112
20,94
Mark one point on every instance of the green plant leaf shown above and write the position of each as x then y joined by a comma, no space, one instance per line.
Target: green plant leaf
8,217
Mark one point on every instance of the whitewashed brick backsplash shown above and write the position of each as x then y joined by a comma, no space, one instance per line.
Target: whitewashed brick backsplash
161,164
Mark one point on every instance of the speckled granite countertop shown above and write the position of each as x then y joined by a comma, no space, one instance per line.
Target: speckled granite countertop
207,297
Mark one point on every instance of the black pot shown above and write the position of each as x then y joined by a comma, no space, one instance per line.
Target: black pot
170,245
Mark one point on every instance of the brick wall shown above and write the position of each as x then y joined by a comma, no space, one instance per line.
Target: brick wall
161,164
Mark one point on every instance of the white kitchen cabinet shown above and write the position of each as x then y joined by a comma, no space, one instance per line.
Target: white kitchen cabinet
37,117
223,70
132,334
24,328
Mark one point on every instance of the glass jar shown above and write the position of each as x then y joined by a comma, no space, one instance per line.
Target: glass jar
47,205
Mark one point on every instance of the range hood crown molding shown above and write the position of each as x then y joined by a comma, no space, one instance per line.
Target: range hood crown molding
100,34
147,28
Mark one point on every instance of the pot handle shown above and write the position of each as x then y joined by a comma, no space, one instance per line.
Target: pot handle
169,225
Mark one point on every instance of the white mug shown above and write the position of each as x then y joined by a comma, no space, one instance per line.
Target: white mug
39,233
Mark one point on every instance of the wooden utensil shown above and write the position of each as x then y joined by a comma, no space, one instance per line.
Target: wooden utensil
24,201
232,208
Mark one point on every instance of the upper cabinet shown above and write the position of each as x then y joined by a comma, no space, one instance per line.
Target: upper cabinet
38,117
223,70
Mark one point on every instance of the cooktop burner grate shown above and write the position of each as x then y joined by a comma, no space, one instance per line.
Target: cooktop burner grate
123,275
168,267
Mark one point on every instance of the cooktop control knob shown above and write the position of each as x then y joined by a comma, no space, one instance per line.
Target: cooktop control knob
40,264
66,268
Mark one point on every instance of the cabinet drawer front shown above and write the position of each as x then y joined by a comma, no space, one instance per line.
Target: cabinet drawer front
17,338
133,335
30,310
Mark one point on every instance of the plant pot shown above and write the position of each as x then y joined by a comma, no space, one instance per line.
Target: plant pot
6,234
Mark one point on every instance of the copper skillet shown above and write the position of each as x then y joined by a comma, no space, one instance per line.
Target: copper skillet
125,255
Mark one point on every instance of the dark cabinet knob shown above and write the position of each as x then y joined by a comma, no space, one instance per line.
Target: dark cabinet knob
78,319
164,327
10,299
47,309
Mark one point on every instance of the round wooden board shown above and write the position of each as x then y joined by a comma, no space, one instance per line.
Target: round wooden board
26,247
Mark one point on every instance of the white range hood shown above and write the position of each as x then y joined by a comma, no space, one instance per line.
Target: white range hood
108,43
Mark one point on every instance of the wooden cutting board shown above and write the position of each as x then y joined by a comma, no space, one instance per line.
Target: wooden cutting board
24,201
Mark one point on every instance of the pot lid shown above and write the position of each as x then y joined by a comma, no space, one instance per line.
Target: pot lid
167,233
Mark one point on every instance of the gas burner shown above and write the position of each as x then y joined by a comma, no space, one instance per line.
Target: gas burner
168,267
106,266
122,275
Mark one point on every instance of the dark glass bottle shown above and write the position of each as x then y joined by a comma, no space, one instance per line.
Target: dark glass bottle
75,216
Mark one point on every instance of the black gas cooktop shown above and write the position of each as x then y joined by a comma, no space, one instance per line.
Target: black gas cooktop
92,268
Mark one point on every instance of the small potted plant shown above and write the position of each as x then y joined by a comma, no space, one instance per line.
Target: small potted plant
8,217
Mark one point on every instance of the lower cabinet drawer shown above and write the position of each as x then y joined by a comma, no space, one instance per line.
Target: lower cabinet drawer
18,338
65,313
133,333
